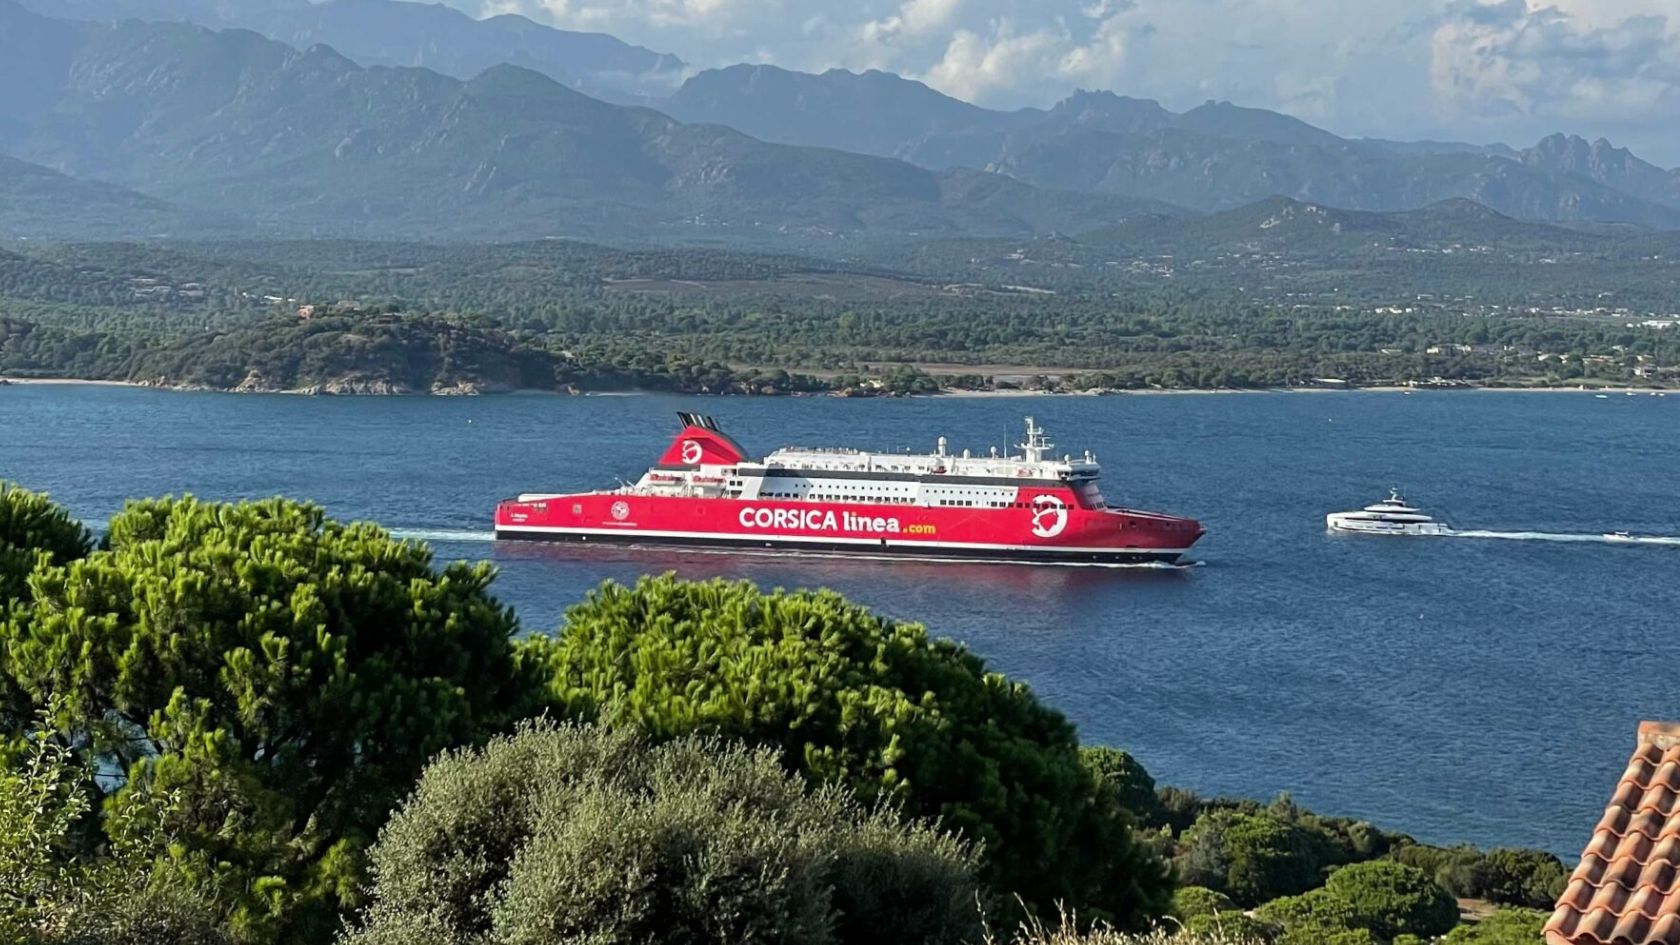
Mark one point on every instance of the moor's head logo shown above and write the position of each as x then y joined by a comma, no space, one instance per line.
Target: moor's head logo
1049,516
692,452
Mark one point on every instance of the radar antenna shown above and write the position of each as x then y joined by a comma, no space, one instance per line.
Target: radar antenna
1037,445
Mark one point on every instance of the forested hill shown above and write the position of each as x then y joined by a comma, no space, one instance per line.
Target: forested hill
40,203
1284,294
309,142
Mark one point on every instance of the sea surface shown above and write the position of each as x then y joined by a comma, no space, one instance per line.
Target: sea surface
1481,689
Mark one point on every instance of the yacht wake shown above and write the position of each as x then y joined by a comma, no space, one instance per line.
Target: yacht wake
1602,539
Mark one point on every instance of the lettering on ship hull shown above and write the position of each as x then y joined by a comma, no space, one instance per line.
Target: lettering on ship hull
818,520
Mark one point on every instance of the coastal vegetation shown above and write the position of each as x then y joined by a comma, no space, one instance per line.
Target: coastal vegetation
247,724
372,317
578,832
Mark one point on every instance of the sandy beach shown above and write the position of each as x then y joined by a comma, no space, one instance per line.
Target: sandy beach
63,381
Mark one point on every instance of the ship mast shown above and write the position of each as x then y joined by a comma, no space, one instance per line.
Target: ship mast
1037,444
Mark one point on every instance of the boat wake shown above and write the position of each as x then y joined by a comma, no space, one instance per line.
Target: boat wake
442,534
1601,539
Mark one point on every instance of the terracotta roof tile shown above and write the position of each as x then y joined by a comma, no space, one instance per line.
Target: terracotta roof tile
1626,891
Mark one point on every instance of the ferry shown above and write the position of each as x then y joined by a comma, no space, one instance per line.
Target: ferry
1029,506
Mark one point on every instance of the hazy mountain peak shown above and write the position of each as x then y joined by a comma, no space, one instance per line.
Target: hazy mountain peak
1462,208
507,77
871,112
1604,163
1103,99
1225,120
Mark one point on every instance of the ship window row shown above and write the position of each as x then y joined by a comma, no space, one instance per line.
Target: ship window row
839,497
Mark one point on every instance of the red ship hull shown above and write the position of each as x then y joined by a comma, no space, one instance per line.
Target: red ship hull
705,491
1045,530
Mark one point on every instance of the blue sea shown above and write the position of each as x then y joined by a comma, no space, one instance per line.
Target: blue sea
1481,689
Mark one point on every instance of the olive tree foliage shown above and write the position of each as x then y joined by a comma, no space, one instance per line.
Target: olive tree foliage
32,526
850,697
54,890
281,677
576,833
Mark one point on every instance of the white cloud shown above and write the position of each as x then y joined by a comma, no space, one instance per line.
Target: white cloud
976,66
914,18
1509,59
1470,69
710,19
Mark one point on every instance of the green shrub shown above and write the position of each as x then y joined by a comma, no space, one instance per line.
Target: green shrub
1530,878
1314,910
1230,924
1503,927
1393,899
57,889
1453,868
567,833
852,698
271,682
31,525
1328,937
1179,808
1252,858
43,799
1517,877
1130,782
1314,918
1189,902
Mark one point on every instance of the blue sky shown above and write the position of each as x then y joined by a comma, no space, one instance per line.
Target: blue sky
1508,70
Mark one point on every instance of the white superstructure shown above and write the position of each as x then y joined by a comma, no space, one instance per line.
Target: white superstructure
1391,516
940,478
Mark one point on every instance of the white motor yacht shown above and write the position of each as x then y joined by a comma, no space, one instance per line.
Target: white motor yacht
1391,516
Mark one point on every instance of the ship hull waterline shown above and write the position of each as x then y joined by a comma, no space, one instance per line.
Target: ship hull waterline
882,549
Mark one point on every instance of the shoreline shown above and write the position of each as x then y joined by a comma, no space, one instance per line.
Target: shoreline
950,392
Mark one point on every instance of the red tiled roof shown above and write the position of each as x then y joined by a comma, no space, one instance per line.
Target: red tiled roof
1627,889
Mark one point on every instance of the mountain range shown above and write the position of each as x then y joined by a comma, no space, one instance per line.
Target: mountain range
308,141
428,35
389,118
1214,157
